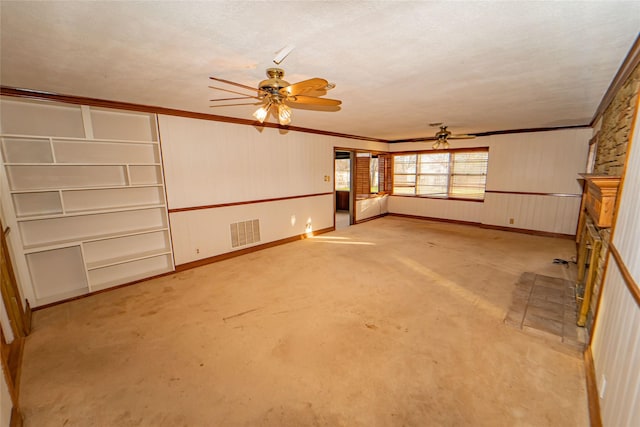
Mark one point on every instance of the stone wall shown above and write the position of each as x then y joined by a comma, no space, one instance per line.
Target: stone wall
613,137
612,140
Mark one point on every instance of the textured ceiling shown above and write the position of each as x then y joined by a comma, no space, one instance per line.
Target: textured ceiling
397,66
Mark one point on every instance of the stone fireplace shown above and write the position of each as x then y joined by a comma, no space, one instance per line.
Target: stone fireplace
596,218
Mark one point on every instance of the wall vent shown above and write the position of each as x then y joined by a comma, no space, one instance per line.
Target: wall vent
245,232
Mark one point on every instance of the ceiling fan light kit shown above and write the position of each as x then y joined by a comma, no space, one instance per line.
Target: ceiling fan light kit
262,112
284,114
281,95
436,145
441,137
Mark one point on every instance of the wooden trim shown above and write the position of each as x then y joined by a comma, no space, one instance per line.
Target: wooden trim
448,150
531,232
361,150
429,218
16,419
11,361
593,401
28,316
9,290
495,132
488,226
530,130
629,64
423,196
104,103
248,202
101,291
95,102
633,287
371,218
530,193
228,255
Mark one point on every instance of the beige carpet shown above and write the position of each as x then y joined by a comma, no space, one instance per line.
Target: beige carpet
393,322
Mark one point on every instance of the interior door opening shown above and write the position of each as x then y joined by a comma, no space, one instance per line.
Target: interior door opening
343,179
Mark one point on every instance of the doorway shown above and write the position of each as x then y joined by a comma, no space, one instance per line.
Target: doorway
343,179
19,325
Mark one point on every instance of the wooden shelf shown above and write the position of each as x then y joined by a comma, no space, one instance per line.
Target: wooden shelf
75,213
125,259
118,274
87,190
100,187
74,139
41,247
82,164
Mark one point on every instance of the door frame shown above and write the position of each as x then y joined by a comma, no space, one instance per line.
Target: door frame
352,156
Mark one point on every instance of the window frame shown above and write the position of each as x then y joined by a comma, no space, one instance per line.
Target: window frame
362,187
450,175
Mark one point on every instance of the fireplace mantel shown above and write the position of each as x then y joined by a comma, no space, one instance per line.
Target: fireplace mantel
600,198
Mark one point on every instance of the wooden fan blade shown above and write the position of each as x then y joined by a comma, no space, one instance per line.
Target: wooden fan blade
230,91
233,105
302,99
304,86
233,99
433,138
235,84
426,138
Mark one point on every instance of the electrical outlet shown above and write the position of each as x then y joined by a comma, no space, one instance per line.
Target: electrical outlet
197,251
511,220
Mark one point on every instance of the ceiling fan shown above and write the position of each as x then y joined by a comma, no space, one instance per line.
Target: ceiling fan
279,95
443,136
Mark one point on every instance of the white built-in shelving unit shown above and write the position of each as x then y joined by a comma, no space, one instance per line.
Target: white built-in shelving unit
86,194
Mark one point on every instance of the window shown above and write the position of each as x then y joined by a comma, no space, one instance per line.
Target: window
458,174
343,174
363,174
373,174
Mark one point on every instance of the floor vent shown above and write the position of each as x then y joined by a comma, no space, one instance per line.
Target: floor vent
243,233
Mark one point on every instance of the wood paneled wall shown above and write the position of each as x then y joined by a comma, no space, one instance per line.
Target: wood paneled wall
532,182
616,340
220,173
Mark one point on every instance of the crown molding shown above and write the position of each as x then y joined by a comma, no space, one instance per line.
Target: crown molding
629,64
104,103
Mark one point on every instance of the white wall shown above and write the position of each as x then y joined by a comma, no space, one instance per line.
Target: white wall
616,342
204,233
212,163
457,210
536,162
371,207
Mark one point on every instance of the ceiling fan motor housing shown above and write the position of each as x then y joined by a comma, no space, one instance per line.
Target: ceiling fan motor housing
274,83
443,133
